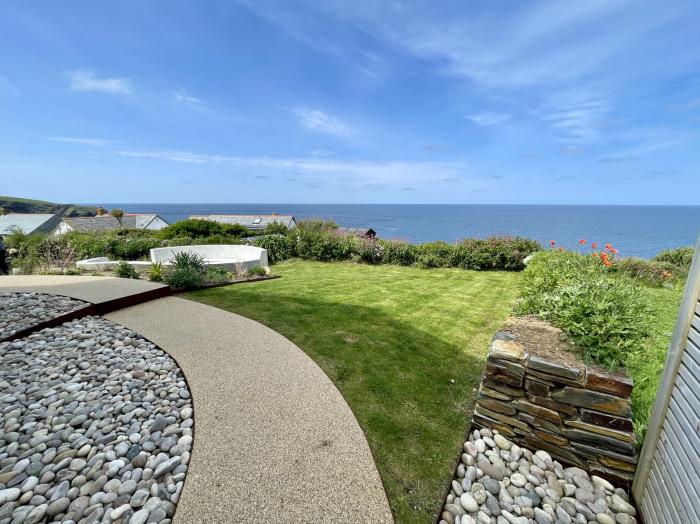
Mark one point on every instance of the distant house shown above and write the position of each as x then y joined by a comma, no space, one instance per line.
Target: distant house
362,232
252,222
28,223
108,222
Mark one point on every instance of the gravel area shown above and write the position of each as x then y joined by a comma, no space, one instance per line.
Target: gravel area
95,426
499,482
20,311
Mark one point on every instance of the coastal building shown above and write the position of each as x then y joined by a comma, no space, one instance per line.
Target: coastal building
107,222
251,222
28,223
362,232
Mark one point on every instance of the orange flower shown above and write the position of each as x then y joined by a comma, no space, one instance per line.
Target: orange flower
603,255
608,246
552,242
595,254
614,251
606,262
594,245
582,241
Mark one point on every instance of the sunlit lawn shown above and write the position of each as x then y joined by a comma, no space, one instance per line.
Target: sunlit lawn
405,347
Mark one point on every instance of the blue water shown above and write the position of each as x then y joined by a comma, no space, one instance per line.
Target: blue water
640,231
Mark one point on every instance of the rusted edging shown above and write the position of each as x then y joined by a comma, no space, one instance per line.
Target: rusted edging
224,284
98,309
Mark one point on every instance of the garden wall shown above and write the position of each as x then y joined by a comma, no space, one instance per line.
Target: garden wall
539,394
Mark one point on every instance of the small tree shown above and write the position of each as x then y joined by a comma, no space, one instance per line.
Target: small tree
118,214
100,211
3,211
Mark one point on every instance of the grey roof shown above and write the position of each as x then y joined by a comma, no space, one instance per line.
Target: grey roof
252,222
28,223
106,223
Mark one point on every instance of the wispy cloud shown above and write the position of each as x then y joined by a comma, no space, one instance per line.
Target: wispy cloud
86,80
375,172
92,142
317,120
6,87
651,146
571,151
185,98
489,119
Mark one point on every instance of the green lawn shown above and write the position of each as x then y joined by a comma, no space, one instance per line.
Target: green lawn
646,365
406,348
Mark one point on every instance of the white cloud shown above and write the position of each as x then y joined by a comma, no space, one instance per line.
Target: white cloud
93,142
489,119
6,87
376,172
571,151
524,54
85,80
317,120
182,96
651,146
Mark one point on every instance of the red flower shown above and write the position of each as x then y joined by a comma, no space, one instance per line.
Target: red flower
582,241
595,254
604,255
552,242
614,251
594,245
608,246
606,262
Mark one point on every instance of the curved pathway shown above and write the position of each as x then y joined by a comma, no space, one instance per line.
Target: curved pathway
273,437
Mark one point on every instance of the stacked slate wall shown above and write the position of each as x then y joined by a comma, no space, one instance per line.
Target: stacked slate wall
578,413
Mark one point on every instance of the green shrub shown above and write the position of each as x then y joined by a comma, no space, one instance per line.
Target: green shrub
257,271
217,275
650,272
321,245
435,254
493,253
316,225
277,246
368,251
680,256
606,314
275,228
185,278
188,260
399,252
197,228
155,272
124,270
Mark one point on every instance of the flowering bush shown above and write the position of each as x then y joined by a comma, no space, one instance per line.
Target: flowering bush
606,313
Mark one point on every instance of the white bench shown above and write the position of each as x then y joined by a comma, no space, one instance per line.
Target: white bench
227,256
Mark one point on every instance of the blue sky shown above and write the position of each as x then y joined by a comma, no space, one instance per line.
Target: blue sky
356,101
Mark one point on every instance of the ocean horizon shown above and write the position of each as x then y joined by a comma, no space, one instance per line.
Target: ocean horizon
635,230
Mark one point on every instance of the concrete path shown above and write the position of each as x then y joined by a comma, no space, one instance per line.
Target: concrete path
93,289
274,440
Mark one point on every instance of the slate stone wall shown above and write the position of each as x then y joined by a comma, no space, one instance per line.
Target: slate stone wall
580,414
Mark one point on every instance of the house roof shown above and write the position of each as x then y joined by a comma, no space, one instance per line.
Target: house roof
358,231
107,222
253,222
28,223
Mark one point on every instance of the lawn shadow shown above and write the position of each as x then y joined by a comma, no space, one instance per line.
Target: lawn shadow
411,390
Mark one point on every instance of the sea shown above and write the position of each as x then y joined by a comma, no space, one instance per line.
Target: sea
639,231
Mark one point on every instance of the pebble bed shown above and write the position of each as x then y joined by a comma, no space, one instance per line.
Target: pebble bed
20,311
95,426
499,482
